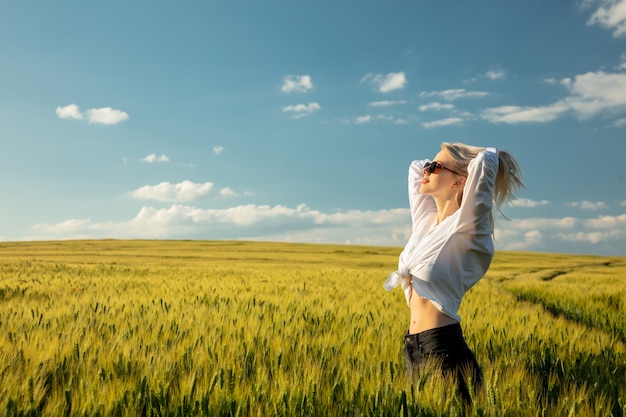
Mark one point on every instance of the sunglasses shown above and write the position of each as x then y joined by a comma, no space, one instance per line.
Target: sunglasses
433,167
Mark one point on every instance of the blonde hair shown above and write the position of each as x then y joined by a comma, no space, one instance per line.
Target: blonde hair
508,177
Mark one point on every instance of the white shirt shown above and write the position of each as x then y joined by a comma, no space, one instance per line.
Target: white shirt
445,260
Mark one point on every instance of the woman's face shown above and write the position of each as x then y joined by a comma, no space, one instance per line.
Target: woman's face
441,182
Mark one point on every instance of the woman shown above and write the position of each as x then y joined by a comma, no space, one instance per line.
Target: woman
450,249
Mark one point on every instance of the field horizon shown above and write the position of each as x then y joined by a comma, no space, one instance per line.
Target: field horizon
197,327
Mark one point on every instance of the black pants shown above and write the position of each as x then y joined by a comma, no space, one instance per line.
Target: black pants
447,346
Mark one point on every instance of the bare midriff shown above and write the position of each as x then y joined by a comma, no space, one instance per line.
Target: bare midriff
425,316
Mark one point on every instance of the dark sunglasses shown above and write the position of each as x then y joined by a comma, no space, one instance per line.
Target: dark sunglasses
432,167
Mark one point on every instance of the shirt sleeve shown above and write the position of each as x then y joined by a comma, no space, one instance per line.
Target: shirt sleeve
420,204
475,211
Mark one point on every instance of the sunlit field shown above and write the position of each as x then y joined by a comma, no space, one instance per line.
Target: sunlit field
188,328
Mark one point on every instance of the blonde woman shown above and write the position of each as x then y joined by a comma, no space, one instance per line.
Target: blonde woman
451,247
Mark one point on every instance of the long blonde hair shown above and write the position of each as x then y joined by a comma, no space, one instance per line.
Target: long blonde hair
508,177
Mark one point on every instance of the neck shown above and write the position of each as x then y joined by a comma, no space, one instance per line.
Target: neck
445,208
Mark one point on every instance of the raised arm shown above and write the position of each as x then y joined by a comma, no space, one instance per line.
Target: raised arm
475,211
419,203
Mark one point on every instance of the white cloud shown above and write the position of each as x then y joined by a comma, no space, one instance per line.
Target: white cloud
71,111
301,110
167,192
516,114
443,122
296,84
588,205
387,103
393,81
590,94
607,222
152,158
104,115
619,122
545,223
363,119
65,227
368,118
495,75
533,236
227,192
386,83
527,202
597,91
492,75
217,150
454,94
524,240
436,106
591,237
611,15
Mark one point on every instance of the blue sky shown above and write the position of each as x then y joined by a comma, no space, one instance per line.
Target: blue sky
296,121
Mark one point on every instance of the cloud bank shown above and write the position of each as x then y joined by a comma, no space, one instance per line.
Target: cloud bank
303,224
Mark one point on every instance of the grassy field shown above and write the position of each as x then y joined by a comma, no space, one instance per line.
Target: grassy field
140,328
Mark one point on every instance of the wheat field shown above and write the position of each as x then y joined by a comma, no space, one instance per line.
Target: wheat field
229,328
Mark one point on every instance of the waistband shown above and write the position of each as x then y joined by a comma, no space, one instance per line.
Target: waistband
449,333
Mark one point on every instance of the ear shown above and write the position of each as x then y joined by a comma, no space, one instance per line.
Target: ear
460,182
